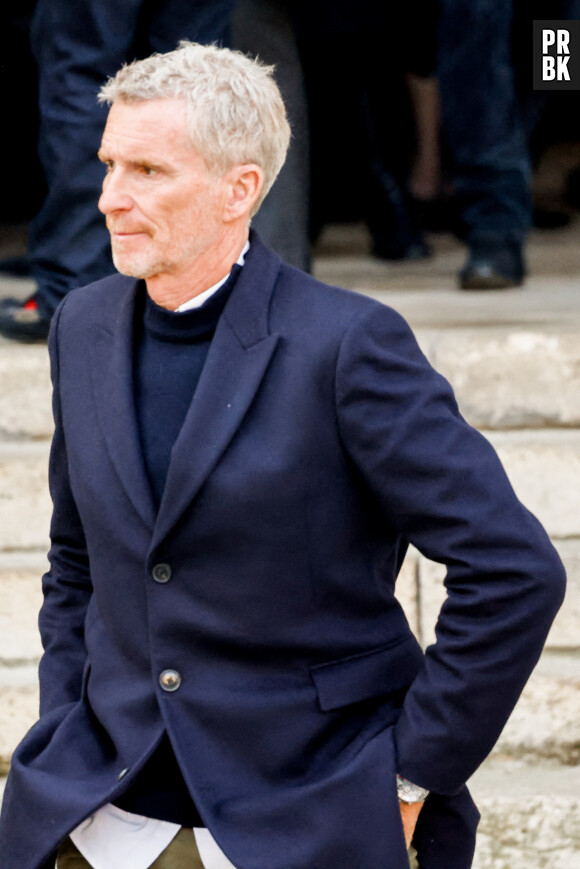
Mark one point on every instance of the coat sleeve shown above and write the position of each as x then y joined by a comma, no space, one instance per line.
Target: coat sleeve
442,486
67,586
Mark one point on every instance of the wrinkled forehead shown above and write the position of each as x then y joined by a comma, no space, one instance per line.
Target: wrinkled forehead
163,123
157,117
154,124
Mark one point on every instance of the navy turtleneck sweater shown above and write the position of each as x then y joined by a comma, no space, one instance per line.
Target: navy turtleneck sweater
170,351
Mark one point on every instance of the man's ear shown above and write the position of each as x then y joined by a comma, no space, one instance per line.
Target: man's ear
244,185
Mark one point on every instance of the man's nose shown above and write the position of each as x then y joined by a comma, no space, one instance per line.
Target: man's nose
114,196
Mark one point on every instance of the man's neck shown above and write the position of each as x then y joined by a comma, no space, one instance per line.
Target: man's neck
211,266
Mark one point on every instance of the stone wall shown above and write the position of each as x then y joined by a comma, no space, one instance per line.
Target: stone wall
522,389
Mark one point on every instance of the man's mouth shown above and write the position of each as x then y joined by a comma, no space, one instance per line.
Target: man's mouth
121,232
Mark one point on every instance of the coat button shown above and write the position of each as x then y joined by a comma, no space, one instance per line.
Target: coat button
161,573
170,680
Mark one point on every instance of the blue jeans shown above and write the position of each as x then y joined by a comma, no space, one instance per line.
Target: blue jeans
482,120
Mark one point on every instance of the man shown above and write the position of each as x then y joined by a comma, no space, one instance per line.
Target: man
76,46
235,485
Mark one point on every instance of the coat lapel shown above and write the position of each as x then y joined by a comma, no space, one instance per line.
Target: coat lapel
237,360
112,370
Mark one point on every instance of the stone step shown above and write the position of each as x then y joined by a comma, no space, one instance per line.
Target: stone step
20,647
533,463
544,725
530,815
25,506
507,378
419,588
546,721
18,708
544,467
25,392
421,582
20,601
504,378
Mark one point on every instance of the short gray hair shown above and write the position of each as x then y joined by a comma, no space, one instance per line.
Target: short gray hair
234,107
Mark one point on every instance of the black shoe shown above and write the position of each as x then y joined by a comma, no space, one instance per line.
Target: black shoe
23,321
497,267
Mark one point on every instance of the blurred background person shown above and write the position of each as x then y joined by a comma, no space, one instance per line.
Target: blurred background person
266,29
433,99
76,47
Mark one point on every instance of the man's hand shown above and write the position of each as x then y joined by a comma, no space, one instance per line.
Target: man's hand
409,815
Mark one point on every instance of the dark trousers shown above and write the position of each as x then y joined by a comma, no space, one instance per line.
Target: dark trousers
77,46
482,119
181,853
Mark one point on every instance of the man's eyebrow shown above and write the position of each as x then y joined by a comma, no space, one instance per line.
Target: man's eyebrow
143,161
135,162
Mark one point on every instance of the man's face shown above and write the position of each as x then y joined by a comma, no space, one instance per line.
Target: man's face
164,208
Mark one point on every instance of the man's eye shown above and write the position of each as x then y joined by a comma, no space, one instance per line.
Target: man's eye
147,170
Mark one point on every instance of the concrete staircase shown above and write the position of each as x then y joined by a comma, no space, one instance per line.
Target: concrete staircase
514,360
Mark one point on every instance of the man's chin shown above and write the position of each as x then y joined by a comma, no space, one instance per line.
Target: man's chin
133,268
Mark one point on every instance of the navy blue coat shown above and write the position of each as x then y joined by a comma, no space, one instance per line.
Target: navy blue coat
319,443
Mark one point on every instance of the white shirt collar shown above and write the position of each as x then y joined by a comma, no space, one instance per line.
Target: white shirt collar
199,300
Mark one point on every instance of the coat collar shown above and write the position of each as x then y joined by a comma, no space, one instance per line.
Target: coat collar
237,360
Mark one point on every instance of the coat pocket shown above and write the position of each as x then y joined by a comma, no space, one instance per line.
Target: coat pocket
381,671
